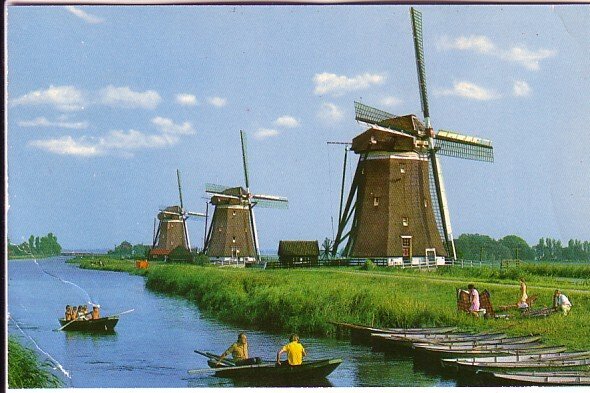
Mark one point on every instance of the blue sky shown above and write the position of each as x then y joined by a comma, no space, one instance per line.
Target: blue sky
105,103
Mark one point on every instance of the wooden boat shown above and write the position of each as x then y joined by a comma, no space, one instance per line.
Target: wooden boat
515,342
526,357
394,341
559,378
362,333
105,324
550,363
509,349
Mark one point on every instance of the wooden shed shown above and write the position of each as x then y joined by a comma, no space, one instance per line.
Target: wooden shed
298,253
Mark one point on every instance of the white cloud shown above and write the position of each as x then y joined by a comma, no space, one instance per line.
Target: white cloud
330,113
127,98
186,99
390,101
67,146
470,91
217,101
84,15
64,98
337,85
287,121
43,122
481,44
263,133
527,58
115,141
521,89
168,126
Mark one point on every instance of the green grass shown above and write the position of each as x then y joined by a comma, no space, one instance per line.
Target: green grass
307,300
26,371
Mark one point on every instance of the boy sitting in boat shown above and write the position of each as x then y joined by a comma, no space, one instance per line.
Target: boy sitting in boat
95,312
239,352
68,314
295,352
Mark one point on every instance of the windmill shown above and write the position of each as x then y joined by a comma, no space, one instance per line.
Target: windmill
397,205
172,230
232,233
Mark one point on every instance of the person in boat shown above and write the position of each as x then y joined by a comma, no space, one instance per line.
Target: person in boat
295,352
74,313
561,302
239,352
68,314
95,312
522,301
473,300
82,313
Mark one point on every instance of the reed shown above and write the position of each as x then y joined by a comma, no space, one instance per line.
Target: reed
25,371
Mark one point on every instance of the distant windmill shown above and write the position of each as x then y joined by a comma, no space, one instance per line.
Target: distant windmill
397,199
232,233
172,229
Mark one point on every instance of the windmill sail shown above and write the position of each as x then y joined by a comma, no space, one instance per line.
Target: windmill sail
452,144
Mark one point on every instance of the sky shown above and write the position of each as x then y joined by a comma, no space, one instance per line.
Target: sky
105,103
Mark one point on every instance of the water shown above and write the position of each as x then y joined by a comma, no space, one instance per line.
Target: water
153,345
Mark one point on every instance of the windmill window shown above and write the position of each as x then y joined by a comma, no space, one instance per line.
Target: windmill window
405,221
233,213
402,168
376,201
425,202
406,241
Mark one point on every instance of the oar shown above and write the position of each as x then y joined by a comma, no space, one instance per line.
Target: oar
216,358
121,313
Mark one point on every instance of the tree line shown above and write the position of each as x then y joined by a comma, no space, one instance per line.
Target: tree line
45,246
128,250
483,247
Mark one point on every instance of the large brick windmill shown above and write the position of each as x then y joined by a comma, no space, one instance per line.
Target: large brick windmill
397,206
232,233
172,230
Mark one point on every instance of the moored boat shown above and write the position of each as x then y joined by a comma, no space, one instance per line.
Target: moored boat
392,341
362,333
491,351
535,378
527,357
105,324
550,363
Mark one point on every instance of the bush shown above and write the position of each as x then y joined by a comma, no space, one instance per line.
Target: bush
368,265
25,371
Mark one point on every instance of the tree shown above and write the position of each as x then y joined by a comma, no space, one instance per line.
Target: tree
518,247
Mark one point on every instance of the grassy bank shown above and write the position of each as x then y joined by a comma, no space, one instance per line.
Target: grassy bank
26,371
307,300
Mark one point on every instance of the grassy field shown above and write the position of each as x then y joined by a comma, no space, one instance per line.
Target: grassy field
25,371
307,300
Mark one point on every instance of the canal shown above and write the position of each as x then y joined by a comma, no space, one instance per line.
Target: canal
153,345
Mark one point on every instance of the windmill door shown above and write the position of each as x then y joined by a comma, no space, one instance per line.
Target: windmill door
407,249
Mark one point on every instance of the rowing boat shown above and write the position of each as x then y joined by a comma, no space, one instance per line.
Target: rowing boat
550,363
362,333
494,351
385,341
560,378
527,357
106,324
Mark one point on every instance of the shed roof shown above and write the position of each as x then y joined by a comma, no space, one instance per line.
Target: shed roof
300,248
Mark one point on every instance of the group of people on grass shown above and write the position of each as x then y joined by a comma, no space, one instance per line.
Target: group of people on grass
560,301
81,313
239,351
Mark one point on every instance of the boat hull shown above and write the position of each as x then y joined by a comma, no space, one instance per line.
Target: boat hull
106,324
269,371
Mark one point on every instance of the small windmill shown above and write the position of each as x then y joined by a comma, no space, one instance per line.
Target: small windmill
397,197
172,230
232,233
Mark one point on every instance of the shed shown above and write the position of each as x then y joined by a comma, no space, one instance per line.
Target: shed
298,253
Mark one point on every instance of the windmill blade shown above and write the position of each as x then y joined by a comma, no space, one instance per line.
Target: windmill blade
419,50
179,189
222,195
449,143
194,214
215,188
368,114
171,213
245,158
269,201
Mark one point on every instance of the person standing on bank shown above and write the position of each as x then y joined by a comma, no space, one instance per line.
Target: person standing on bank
522,301
295,352
239,352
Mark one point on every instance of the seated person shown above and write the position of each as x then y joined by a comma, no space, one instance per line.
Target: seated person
74,313
239,352
68,313
561,302
295,352
95,312
473,300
